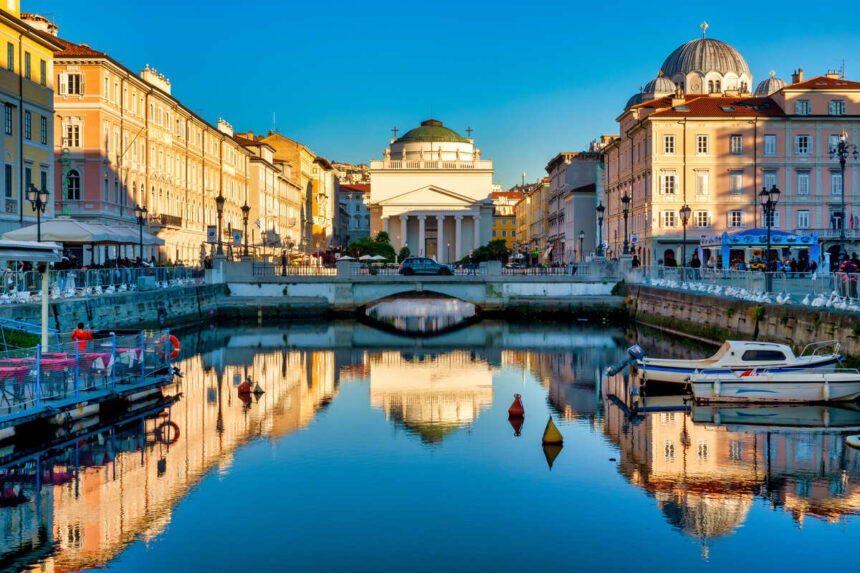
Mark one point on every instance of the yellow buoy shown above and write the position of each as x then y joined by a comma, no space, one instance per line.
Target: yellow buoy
551,452
551,435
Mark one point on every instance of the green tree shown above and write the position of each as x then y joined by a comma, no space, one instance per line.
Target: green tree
403,254
382,237
495,250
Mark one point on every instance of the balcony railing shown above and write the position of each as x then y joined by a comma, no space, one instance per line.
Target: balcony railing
430,164
166,220
93,208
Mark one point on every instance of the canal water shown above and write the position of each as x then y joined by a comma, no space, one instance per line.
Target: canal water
372,451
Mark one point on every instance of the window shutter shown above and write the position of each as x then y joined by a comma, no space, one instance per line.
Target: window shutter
63,83
83,77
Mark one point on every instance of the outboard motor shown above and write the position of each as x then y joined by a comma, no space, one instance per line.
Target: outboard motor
635,353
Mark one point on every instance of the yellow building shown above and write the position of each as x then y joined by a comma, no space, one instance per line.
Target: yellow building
532,221
27,96
504,216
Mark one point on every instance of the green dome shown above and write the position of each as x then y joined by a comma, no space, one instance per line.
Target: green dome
432,130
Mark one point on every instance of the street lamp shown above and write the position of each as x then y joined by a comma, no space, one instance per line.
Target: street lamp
769,199
246,210
685,218
39,201
219,205
625,201
600,209
581,239
841,151
140,214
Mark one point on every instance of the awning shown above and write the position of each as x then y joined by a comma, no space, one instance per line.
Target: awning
30,251
73,232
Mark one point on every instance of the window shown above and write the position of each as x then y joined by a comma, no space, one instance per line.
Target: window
835,183
836,107
803,219
28,177
736,450
513,233
702,182
10,185
43,179
667,182
107,190
803,182
802,107
769,179
74,84
736,182
504,232
768,355
769,145
27,66
10,56
774,219
73,185
668,219
43,130
669,145
43,72
7,119
702,219
832,143
28,125
72,136
736,219
801,144
701,144
736,144
669,450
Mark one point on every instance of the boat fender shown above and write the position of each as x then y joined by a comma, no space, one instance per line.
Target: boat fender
853,441
717,418
717,387
825,390
170,436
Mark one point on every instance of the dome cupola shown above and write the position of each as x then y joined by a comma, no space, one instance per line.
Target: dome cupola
769,86
706,65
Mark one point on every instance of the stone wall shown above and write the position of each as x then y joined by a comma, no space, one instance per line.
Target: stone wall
140,309
719,319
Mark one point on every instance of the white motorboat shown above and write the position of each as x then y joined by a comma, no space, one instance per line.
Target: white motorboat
742,356
768,386
779,417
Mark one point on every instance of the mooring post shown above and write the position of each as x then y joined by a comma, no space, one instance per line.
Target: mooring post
113,362
38,375
142,361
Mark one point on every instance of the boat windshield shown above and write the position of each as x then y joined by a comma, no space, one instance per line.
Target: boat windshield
722,351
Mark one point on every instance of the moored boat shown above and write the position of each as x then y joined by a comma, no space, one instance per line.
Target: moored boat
844,416
743,356
768,386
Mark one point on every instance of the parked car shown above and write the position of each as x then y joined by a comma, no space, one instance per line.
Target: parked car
423,266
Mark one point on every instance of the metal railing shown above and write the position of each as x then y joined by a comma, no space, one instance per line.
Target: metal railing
266,269
590,270
26,286
836,290
37,376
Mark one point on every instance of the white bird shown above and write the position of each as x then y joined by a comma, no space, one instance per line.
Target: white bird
819,300
805,301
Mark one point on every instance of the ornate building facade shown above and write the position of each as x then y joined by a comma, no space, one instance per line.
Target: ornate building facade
697,136
431,193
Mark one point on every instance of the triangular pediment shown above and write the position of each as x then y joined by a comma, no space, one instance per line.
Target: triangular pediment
428,195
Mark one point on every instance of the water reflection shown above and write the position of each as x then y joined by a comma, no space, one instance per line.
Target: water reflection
422,315
338,388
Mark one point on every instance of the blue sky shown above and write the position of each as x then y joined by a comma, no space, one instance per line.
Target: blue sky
532,78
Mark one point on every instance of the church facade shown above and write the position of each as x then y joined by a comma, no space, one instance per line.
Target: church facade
431,192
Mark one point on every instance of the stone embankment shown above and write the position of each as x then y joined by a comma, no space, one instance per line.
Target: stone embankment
718,319
172,307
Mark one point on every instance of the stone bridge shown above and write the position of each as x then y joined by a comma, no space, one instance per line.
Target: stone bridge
349,290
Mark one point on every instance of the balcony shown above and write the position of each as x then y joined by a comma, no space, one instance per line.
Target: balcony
417,164
162,220
92,209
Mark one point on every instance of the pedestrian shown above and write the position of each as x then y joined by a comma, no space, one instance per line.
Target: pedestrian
284,262
635,262
81,337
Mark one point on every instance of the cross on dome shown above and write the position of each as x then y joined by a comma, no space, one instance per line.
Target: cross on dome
704,27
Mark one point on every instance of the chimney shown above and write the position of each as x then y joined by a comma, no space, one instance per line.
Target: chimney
250,135
797,76
832,74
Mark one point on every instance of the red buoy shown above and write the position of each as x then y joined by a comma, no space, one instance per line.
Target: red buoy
516,423
245,387
516,408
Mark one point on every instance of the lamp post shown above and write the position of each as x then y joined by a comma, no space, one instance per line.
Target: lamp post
685,218
140,214
625,202
841,151
246,210
39,201
600,209
581,240
769,199
219,205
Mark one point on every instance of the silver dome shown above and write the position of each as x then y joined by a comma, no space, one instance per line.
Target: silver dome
705,55
637,98
659,86
769,86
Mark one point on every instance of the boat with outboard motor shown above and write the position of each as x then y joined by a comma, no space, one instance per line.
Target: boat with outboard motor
756,385
738,356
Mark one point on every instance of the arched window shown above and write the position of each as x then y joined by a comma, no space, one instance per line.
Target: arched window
710,86
717,84
73,181
744,88
134,191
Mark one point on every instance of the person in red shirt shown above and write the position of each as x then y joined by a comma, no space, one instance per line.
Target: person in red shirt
82,336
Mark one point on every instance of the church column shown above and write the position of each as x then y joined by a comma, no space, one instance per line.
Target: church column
440,238
403,238
421,242
477,228
458,236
